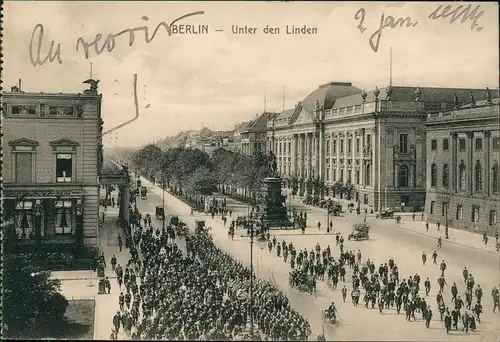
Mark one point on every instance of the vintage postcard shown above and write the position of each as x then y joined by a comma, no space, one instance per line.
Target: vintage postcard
250,171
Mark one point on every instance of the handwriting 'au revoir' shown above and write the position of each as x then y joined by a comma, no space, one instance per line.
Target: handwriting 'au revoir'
97,44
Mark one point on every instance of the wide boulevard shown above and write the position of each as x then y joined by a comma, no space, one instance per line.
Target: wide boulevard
405,243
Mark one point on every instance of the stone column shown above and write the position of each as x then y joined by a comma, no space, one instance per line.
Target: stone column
374,166
125,200
361,157
470,160
487,142
319,163
346,156
454,162
302,155
292,156
309,151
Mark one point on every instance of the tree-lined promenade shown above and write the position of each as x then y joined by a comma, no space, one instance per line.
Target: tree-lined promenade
191,172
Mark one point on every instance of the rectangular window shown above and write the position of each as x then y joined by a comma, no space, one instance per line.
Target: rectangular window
357,145
24,220
349,175
493,217
334,175
479,144
341,146
433,144
341,175
349,146
461,144
475,214
61,110
460,213
327,175
403,143
24,167
335,146
368,140
357,176
289,147
328,147
63,223
433,204
64,168
444,209
496,143
23,110
445,145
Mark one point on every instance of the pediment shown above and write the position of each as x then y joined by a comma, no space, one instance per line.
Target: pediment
303,117
63,142
24,142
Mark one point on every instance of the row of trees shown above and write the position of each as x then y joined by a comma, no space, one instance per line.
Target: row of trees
191,171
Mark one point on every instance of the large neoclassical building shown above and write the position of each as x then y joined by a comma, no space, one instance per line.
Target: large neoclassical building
463,172
374,139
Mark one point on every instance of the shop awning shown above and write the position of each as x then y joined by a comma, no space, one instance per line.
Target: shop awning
39,194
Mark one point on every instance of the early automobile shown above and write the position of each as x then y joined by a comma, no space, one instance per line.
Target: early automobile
360,232
386,213
160,212
335,209
144,192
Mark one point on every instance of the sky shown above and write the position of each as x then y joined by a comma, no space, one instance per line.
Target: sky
220,79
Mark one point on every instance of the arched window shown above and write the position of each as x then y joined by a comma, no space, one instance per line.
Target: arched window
404,173
434,175
368,175
478,172
463,177
445,176
496,178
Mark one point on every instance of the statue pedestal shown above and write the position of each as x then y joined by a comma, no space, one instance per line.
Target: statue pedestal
275,212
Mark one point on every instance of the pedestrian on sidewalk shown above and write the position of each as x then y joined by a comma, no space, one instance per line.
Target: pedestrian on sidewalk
107,284
103,260
427,226
485,239
422,217
121,301
120,242
117,318
434,257
319,225
413,216
113,262
331,226
438,224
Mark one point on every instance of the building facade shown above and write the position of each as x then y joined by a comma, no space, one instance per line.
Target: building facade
254,134
374,140
52,149
463,175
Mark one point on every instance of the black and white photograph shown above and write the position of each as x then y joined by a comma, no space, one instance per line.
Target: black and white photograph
262,171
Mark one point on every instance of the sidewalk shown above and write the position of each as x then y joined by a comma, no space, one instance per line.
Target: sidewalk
106,305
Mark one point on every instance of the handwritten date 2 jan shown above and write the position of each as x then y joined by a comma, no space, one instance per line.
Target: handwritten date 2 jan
450,12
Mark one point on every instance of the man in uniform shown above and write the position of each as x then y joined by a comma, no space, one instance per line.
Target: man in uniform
427,285
496,298
442,267
434,258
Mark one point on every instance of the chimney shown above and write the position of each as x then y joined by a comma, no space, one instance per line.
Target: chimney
20,85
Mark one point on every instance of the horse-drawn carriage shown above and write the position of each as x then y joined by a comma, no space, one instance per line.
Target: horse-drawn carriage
330,318
302,281
360,232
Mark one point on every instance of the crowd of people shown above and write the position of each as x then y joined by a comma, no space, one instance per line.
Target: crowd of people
382,287
197,293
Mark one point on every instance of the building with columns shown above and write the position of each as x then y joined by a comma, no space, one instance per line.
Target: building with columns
463,170
375,140
52,155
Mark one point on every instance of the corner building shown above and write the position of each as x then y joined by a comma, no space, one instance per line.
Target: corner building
375,140
463,175
52,149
